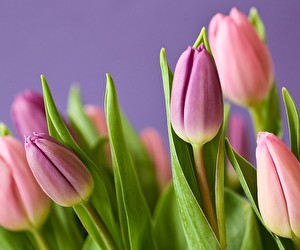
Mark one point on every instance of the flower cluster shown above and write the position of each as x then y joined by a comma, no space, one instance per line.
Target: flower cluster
89,181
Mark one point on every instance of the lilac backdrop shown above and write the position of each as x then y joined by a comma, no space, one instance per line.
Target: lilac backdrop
80,41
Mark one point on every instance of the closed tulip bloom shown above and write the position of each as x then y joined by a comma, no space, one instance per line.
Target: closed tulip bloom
243,60
196,99
59,172
28,113
23,205
158,153
278,175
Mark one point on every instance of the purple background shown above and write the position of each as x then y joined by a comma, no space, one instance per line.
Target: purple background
80,41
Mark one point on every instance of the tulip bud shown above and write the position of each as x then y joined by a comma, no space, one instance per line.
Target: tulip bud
59,172
23,205
243,60
278,175
158,153
196,99
28,113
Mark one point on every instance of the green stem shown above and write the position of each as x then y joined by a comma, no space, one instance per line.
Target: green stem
100,226
204,188
219,191
40,239
257,118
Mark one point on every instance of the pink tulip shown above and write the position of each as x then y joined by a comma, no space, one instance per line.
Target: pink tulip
278,175
158,153
196,99
28,113
59,172
23,205
243,60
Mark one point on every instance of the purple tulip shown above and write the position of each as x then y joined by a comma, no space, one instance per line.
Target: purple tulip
196,99
59,172
158,153
28,113
243,60
278,175
23,205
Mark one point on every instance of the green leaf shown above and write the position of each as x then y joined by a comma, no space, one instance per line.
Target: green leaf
257,23
90,244
4,130
272,120
135,217
14,240
220,180
93,145
202,38
143,165
91,227
293,118
66,228
101,195
241,223
197,230
168,228
88,136
80,121
247,176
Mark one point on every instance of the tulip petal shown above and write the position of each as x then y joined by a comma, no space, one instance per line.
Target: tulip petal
288,169
203,109
271,200
179,88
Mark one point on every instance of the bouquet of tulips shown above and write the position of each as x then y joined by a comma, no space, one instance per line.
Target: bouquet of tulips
89,181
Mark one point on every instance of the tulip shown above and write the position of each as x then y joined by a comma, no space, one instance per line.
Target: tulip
158,153
197,112
196,98
23,205
243,60
28,113
278,175
59,172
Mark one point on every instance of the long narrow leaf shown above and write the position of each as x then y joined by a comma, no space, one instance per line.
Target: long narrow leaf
220,181
168,228
129,193
293,118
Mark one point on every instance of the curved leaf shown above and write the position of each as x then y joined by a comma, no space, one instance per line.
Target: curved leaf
167,224
136,224
293,118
